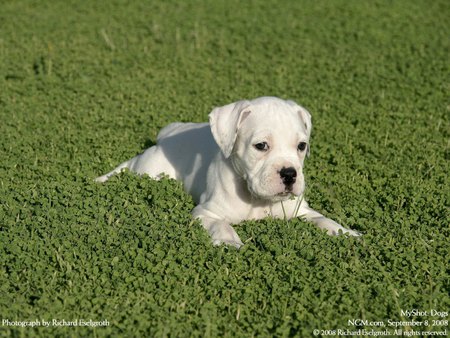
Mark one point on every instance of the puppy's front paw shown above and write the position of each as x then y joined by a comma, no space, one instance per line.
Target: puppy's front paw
223,233
101,179
351,232
333,228
343,231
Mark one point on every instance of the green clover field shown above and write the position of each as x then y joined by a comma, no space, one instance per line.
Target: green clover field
85,85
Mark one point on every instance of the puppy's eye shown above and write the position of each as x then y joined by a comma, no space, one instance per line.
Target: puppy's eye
302,146
262,146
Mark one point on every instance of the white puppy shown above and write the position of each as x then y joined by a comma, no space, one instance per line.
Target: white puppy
246,163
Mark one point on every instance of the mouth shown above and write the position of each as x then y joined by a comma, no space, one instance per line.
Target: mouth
282,196
288,190
284,193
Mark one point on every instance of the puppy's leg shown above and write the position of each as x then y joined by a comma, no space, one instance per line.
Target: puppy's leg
291,209
152,162
323,222
220,230
105,177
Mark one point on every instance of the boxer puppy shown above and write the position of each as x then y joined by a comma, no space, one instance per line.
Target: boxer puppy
246,163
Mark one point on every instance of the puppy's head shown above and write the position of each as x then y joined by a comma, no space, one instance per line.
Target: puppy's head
267,140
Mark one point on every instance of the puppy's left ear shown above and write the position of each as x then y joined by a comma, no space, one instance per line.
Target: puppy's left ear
305,116
225,121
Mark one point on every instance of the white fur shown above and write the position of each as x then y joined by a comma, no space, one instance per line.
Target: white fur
229,178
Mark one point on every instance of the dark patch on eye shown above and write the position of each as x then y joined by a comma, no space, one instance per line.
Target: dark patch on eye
262,146
302,146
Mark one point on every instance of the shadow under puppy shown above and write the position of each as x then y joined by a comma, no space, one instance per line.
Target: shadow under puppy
246,163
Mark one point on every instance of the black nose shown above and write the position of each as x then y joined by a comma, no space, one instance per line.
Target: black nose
288,175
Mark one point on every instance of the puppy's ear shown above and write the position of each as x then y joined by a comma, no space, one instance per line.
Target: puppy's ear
225,122
305,116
